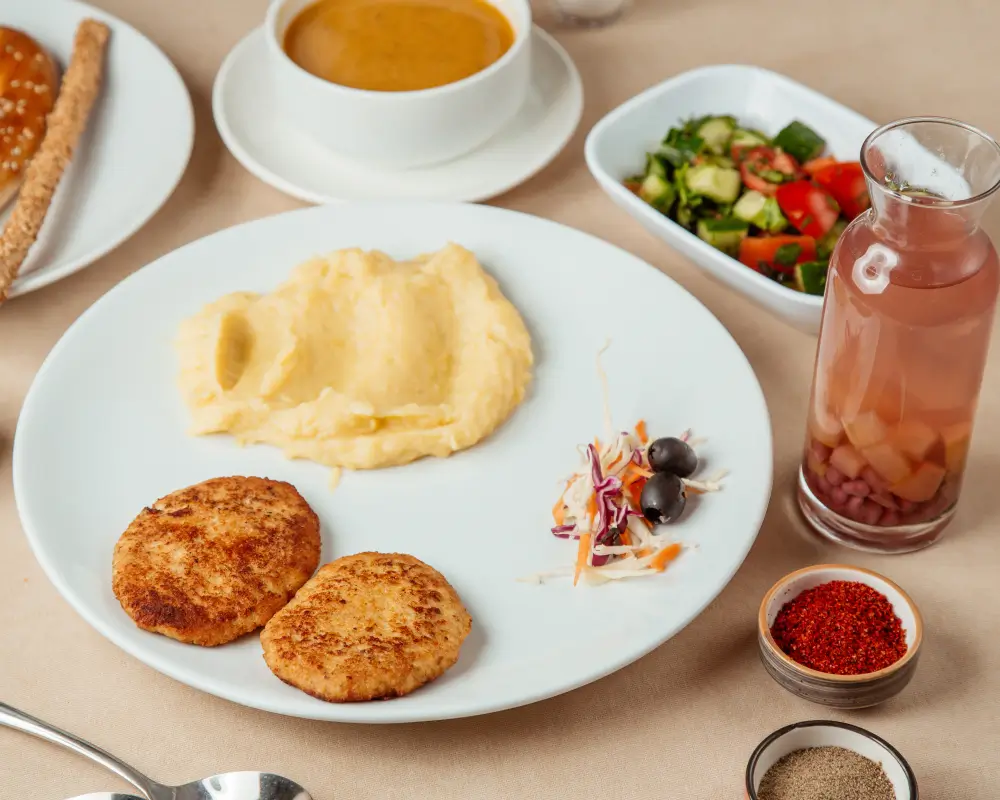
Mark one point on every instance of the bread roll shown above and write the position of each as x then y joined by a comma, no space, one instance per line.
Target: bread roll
29,82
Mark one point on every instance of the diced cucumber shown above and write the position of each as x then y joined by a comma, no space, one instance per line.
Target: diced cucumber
716,132
810,277
718,161
824,247
658,192
800,142
745,137
723,234
655,165
771,219
762,211
721,184
749,206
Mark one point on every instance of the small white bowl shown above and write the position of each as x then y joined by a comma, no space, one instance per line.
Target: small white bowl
617,146
396,130
826,733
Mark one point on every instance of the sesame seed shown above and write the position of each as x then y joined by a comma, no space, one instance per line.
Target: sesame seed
16,151
20,109
27,84
41,88
39,57
27,134
19,56
14,166
5,165
9,48
6,139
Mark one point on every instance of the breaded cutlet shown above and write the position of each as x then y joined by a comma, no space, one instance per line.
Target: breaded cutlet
209,563
366,627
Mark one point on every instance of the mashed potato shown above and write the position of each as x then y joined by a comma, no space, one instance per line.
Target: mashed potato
360,361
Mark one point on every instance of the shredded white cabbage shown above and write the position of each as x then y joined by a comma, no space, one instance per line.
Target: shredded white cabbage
599,506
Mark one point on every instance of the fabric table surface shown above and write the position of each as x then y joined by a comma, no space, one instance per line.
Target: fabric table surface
678,724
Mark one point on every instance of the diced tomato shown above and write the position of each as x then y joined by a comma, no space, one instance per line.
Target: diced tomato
814,166
780,253
846,182
810,209
764,169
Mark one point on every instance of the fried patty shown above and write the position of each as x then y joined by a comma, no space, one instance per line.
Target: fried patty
209,563
366,627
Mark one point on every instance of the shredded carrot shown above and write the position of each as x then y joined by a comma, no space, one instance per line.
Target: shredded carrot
582,551
597,444
634,489
559,512
665,556
644,552
640,431
626,538
615,460
592,509
692,489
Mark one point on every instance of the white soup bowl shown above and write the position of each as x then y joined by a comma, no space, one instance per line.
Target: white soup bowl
398,130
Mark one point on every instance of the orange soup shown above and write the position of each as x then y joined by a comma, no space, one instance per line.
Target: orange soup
397,45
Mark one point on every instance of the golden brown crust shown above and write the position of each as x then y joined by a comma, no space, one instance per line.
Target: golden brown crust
368,626
209,563
65,125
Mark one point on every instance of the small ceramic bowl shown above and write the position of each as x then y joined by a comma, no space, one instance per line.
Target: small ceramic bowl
838,691
826,733
400,130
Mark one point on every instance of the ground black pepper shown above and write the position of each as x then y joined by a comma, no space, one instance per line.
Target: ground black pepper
825,773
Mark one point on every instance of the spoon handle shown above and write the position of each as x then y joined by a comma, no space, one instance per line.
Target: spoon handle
12,718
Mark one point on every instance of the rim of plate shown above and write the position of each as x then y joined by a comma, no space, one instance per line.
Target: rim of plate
374,712
272,179
43,276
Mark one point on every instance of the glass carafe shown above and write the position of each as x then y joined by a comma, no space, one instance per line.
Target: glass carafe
910,296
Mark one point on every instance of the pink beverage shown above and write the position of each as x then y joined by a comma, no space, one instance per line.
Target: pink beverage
907,318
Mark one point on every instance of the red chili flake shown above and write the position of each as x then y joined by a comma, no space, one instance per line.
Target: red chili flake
840,628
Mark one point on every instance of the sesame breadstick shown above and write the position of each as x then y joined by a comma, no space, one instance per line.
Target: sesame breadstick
66,123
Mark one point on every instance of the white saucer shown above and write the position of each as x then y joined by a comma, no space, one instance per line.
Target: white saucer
132,155
291,162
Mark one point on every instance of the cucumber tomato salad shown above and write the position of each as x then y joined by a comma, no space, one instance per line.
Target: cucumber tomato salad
777,204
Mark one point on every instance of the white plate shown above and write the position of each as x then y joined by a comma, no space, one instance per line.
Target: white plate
101,435
132,155
617,146
287,159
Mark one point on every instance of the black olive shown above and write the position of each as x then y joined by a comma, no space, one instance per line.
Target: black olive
673,456
663,498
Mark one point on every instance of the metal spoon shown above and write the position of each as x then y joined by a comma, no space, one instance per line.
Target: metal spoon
228,786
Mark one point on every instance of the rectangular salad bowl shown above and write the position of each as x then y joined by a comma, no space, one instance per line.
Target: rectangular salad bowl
759,100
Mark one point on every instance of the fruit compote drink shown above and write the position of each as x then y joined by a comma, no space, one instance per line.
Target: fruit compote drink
909,305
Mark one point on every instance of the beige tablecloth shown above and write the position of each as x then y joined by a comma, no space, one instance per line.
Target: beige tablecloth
681,722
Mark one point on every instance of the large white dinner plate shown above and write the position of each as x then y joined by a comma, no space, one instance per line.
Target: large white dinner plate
101,435
132,155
